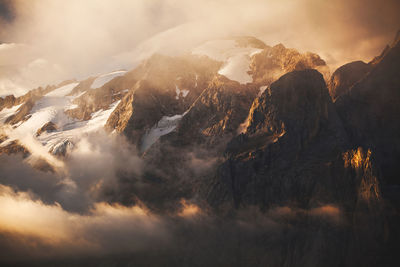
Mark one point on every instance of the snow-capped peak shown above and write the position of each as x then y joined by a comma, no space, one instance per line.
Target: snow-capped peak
236,58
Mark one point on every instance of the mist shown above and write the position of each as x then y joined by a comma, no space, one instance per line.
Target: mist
112,233
67,216
90,168
50,41
105,202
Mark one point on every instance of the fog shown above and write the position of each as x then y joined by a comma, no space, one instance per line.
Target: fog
69,217
87,206
49,41
46,234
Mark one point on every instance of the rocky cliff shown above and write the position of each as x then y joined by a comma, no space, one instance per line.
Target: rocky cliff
239,126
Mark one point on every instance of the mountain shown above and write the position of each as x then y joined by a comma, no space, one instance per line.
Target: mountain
346,76
237,125
134,102
295,153
369,110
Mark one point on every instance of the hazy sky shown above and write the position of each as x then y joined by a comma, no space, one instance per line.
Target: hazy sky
54,40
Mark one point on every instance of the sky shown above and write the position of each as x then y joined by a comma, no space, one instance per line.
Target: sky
47,41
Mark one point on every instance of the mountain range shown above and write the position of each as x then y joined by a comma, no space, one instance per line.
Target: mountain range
237,125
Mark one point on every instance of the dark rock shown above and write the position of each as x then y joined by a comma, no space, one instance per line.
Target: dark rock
216,115
346,76
23,112
293,128
273,62
14,147
155,94
295,153
370,112
47,127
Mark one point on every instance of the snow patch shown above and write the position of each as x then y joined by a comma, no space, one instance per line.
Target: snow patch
75,129
237,59
105,78
7,112
162,127
7,142
62,91
62,147
50,108
73,106
178,91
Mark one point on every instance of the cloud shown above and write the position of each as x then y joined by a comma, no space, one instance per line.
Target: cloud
91,168
70,213
78,39
46,231
104,230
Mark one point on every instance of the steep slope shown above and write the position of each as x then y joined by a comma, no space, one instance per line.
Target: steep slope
291,124
346,76
295,153
42,120
172,135
165,87
370,112
217,113
239,127
272,62
249,67
98,93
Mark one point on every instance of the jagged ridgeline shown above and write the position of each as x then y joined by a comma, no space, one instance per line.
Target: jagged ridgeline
237,125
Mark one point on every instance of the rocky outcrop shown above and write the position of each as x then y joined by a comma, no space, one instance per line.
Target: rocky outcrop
325,172
246,41
7,102
292,126
217,114
48,127
96,99
61,149
387,48
23,112
370,111
194,147
14,147
295,153
346,76
271,63
165,86
28,101
83,86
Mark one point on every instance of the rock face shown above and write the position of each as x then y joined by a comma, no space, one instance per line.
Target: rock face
62,148
26,101
48,127
14,147
23,112
217,113
7,102
295,153
292,120
95,99
346,76
280,143
165,87
268,65
370,112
